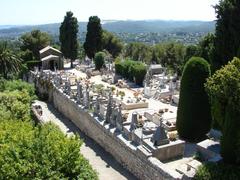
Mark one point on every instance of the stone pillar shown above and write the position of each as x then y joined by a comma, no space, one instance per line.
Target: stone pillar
119,120
97,106
79,92
133,125
109,108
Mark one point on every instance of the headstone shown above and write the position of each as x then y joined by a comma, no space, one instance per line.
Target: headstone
134,121
119,120
97,106
109,108
114,115
160,137
87,98
79,92
147,79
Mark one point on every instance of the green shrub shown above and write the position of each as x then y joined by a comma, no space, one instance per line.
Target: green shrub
20,86
15,103
193,115
131,70
118,66
223,88
42,152
99,60
139,71
221,171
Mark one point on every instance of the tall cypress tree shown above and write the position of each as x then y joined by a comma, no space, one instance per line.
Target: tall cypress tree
93,42
68,37
227,42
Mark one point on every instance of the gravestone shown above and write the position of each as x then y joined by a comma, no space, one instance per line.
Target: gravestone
79,92
133,125
114,115
160,137
119,120
87,99
134,121
147,79
109,108
97,106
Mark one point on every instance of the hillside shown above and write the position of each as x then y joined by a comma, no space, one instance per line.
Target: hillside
125,29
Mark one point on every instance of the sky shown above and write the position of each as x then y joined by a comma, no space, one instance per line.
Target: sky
26,12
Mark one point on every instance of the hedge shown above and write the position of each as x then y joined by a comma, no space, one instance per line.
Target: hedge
131,70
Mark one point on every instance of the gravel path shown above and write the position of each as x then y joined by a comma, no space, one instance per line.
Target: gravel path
104,163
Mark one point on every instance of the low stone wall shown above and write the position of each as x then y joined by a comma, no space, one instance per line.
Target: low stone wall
136,160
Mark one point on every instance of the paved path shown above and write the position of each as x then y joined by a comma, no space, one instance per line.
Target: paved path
106,166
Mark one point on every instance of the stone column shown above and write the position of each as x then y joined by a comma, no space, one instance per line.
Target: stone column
119,120
109,108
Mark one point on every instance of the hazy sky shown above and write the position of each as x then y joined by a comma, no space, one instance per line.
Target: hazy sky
49,11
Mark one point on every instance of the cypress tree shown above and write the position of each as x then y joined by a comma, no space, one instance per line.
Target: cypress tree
68,37
193,115
93,42
227,41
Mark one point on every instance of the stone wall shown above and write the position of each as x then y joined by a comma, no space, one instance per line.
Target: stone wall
136,159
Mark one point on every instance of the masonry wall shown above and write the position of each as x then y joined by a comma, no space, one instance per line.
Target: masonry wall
136,160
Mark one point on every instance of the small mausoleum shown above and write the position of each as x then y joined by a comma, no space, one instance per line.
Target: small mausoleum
51,58
156,69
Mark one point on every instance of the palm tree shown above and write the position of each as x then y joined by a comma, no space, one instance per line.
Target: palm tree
9,62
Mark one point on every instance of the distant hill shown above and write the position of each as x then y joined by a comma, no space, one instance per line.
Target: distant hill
155,26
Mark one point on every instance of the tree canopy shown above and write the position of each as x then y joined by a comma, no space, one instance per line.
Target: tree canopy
41,152
32,42
10,63
93,42
227,41
30,151
68,37
112,44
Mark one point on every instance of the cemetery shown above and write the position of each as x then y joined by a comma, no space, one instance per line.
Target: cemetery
136,125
